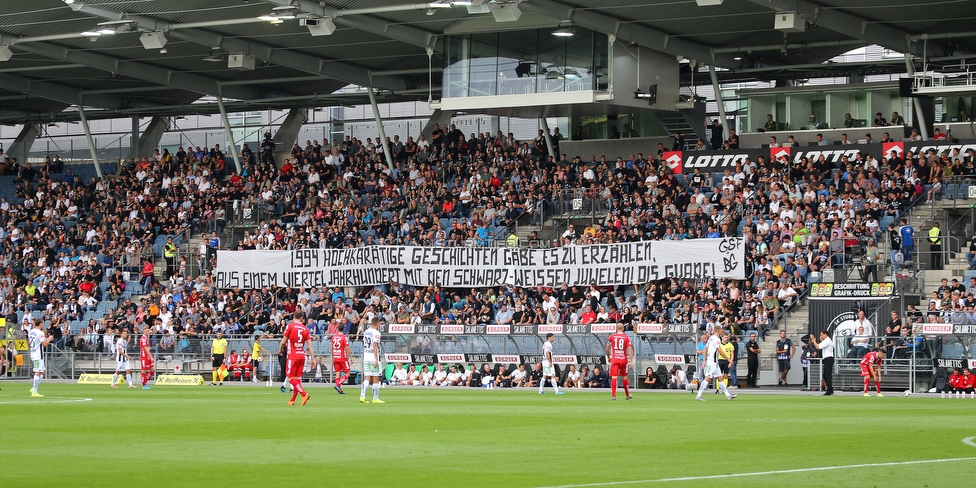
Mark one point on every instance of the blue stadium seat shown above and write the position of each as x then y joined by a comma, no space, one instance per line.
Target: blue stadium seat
949,190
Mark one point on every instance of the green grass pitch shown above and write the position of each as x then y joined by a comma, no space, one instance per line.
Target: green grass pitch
247,436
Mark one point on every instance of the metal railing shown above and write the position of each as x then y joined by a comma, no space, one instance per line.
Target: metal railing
927,257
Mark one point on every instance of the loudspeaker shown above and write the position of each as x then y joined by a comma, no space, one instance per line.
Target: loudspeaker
153,40
789,22
905,87
320,27
240,61
506,12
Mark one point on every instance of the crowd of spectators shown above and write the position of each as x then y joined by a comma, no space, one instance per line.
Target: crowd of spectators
70,247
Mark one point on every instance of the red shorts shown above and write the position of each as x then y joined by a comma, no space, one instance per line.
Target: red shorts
295,366
865,371
146,364
618,367
340,366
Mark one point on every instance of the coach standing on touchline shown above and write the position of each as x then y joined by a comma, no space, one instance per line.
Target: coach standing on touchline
826,347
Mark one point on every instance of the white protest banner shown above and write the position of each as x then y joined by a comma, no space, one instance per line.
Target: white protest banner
473,267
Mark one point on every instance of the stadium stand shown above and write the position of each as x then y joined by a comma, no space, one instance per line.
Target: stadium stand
63,230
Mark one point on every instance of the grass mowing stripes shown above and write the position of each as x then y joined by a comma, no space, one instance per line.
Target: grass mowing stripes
233,435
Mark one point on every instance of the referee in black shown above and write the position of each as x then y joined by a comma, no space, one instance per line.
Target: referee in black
826,347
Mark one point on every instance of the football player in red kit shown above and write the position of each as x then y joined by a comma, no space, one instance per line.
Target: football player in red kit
296,340
620,351
340,357
145,358
871,368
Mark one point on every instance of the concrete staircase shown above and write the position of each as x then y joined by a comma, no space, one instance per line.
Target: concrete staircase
922,218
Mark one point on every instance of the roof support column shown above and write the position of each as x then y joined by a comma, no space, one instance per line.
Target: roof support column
439,117
923,129
718,99
134,144
150,138
88,137
379,125
288,133
548,136
21,146
230,133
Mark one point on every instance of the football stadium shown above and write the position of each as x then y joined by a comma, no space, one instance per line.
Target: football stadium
487,243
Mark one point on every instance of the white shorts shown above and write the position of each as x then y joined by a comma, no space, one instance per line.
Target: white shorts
548,370
122,366
712,371
38,366
370,367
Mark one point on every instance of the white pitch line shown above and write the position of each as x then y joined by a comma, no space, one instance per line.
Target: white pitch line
765,473
46,401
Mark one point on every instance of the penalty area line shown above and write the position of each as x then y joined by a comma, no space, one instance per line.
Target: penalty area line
765,473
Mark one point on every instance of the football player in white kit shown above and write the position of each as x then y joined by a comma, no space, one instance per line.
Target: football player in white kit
122,360
548,370
37,341
371,361
712,347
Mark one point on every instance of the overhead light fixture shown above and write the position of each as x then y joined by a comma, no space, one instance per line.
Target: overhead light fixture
180,117
153,40
478,8
462,3
285,12
737,57
708,3
52,125
5,53
216,56
650,95
269,17
116,26
430,11
564,30
69,2
90,34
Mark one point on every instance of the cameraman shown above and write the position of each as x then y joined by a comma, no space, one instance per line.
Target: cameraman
267,148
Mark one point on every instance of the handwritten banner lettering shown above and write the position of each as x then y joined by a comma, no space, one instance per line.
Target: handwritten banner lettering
461,267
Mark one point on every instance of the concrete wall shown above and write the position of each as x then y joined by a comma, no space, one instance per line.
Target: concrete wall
804,137
611,148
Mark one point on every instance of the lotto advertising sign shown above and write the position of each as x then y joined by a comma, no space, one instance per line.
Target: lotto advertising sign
712,161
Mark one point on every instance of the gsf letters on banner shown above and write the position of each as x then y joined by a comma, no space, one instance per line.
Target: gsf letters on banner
469,267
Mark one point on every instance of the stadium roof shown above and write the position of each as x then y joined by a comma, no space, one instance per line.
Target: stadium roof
58,57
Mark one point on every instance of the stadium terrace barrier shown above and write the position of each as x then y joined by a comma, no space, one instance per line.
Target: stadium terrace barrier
422,344
910,363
